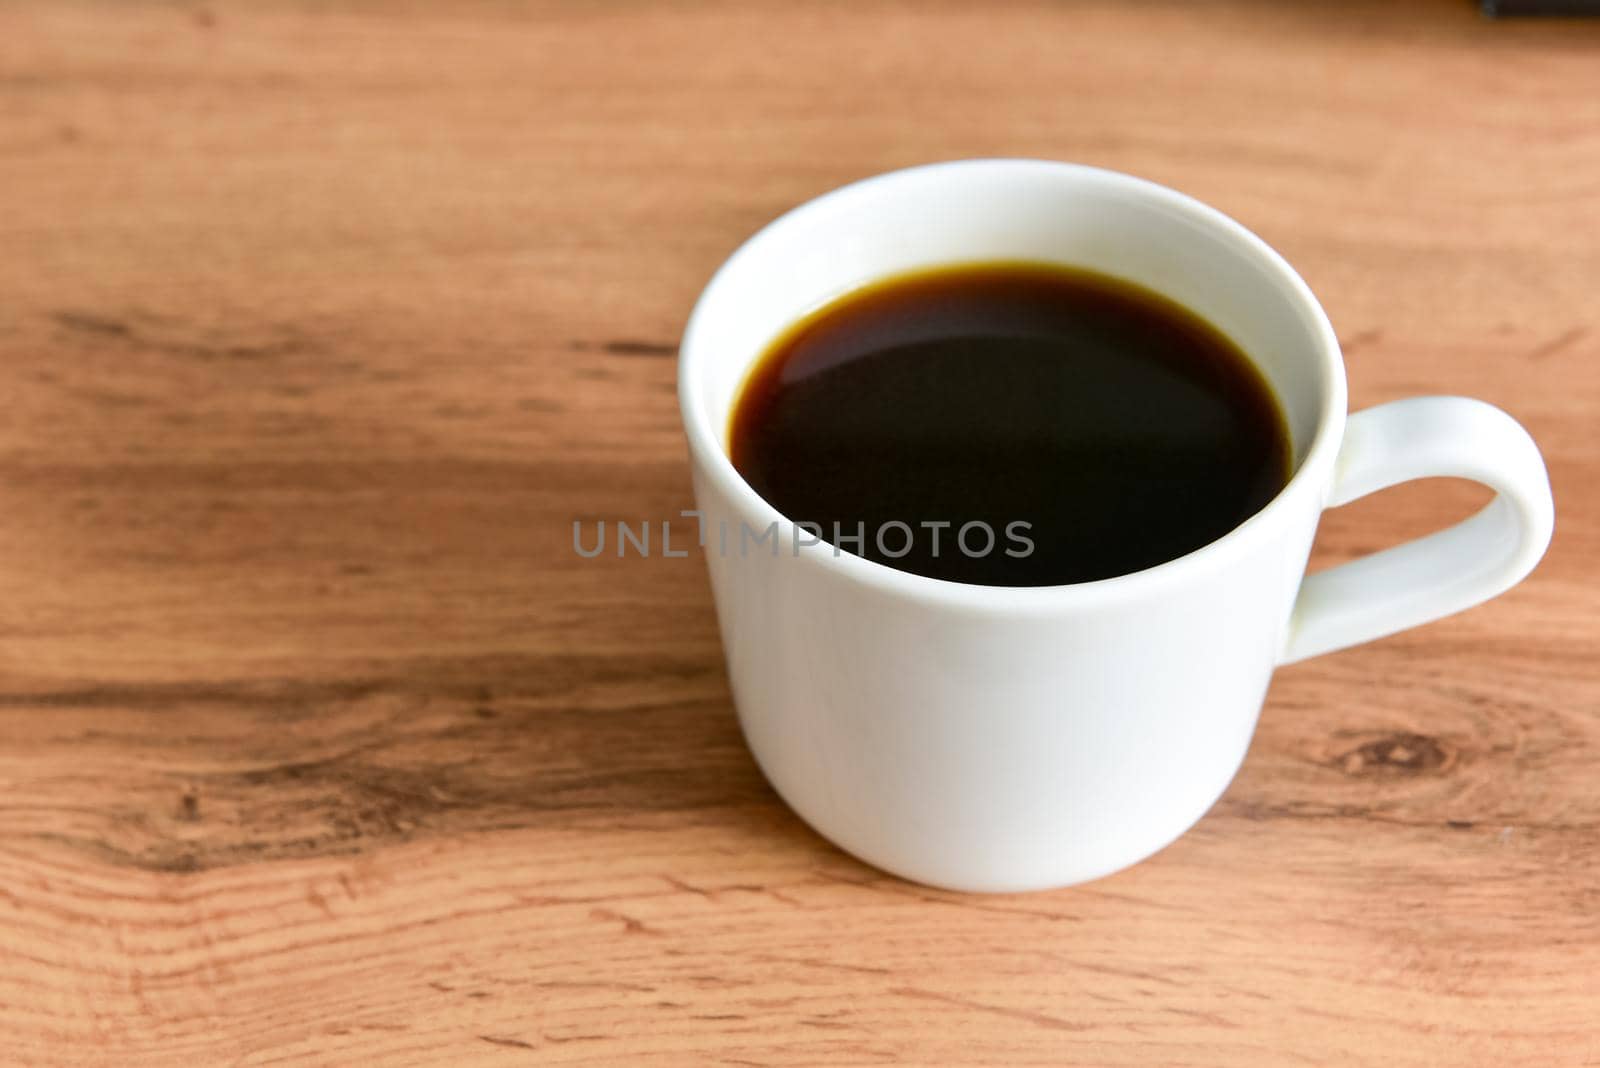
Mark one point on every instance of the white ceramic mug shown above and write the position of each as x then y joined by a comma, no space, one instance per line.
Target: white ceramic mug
1002,739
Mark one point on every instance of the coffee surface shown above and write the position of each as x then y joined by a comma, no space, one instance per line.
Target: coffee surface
1010,424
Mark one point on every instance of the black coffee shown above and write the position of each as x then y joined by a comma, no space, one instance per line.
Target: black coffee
1010,425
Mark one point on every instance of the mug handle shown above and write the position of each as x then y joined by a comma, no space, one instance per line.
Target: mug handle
1445,572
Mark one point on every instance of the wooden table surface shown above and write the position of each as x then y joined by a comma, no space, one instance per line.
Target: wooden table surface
321,322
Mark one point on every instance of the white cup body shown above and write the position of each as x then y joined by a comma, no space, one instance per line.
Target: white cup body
986,738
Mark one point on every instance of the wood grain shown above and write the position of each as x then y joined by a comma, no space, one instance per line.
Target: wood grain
321,323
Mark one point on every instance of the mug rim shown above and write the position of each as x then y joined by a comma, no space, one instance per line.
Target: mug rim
1310,476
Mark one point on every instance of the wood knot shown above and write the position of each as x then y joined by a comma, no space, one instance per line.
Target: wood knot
1396,755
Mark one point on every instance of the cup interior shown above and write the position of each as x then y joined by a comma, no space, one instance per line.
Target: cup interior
1014,210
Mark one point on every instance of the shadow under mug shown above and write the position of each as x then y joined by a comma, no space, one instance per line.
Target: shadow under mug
1000,739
